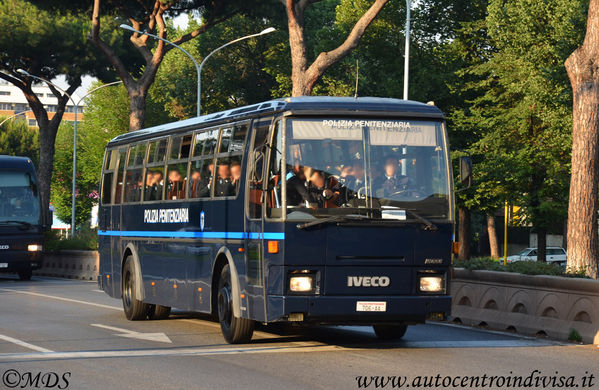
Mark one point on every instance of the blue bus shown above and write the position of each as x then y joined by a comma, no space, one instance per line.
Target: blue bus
311,210
21,230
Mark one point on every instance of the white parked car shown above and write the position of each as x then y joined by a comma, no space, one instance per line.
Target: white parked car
554,254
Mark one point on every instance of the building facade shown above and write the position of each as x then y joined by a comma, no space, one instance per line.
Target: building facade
12,102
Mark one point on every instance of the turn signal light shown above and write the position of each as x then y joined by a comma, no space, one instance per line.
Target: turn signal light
273,247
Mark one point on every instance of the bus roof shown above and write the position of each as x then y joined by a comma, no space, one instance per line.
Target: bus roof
11,163
304,105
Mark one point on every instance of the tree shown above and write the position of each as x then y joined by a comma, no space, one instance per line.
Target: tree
106,116
522,112
17,139
582,64
304,75
150,15
45,44
232,77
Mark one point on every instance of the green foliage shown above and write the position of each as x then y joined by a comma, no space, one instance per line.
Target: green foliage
17,139
86,240
574,335
518,112
521,267
106,115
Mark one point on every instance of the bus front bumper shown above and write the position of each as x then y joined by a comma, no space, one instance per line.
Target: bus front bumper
16,261
347,310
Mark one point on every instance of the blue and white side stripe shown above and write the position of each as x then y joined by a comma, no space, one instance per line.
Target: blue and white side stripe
179,234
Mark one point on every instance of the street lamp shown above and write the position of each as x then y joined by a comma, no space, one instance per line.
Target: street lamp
198,67
14,116
406,67
263,32
127,27
76,108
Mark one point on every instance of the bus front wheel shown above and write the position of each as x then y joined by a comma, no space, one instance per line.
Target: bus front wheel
158,312
390,331
25,275
235,330
135,309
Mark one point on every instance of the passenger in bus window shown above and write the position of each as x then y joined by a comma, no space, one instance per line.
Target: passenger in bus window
392,183
223,185
199,188
297,190
154,186
328,192
176,185
235,175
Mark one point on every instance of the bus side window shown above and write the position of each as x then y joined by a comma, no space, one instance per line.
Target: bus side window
201,178
176,181
118,191
256,168
107,188
134,174
273,198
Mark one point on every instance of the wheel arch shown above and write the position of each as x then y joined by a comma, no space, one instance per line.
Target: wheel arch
131,251
224,257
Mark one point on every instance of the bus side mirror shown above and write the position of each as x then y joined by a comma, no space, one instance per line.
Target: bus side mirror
466,171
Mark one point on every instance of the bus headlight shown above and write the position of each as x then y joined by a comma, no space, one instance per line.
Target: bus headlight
301,283
432,284
34,247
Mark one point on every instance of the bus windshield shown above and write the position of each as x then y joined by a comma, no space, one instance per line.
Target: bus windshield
18,198
389,169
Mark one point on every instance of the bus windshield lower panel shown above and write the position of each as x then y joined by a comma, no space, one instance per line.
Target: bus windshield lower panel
371,168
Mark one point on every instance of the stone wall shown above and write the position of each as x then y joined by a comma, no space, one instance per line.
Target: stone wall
532,305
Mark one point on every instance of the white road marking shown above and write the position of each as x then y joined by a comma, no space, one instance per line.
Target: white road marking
61,299
158,337
24,344
195,351
100,291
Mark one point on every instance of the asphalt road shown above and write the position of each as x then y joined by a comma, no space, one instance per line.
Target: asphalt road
71,333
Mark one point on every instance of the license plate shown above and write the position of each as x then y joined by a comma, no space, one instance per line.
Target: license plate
3,265
371,306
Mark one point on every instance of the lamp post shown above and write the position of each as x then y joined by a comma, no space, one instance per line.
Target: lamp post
198,67
14,116
129,28
406,67
76,108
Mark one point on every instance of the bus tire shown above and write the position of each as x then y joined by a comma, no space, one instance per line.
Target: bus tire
158,312
235,330
390,331
135,309
25,274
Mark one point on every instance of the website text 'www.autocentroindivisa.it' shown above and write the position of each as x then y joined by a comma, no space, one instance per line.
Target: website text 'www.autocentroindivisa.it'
534,380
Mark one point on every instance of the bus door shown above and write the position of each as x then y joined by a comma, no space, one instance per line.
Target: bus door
115,221
254,224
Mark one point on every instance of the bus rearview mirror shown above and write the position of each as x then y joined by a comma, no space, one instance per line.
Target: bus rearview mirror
466,170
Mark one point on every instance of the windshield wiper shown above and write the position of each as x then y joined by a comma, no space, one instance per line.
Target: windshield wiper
331,219
428,225
22,223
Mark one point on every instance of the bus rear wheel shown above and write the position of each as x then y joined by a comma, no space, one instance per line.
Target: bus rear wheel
158,312
390,331
135,309
235,330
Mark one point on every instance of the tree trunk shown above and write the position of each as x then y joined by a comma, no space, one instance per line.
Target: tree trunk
46,167
492,230
137,110
542,245
304,77
464,233
582,67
